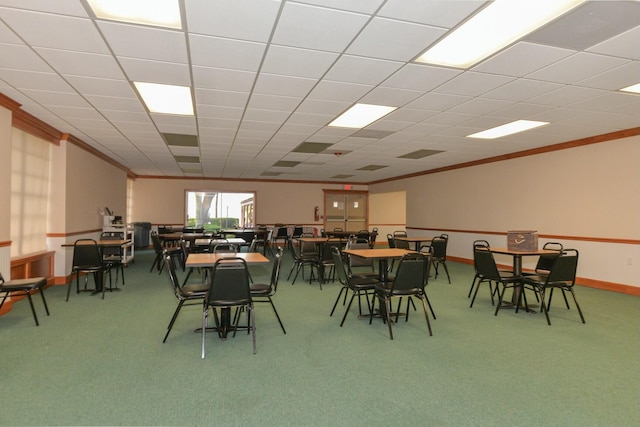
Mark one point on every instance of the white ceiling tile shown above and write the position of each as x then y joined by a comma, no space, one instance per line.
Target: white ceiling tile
471,83
239,19
150,43
291,61
566,95
220,112
320,106
357,69
273,102
390,96
577,67
480,106
168,73
420,77
521,90
115,103
363,6
217,78
446,14
317,28
522,58
271,84
271,116
104,87
36,81
625,45
437,101
21,57
395,40
618,78
66,99
337,91
70,33
81,63
225,53
221,97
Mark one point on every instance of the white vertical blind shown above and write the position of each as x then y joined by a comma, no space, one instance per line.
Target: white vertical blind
30,160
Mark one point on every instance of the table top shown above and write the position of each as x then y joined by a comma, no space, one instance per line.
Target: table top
414,239
208,259
379,253
507,251
115,242
177,236
317,239
233,240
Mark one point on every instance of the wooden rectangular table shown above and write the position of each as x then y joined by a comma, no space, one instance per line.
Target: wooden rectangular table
517,265
415,240
208,260
382,255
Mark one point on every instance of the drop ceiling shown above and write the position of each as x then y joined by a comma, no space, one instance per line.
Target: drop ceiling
268,76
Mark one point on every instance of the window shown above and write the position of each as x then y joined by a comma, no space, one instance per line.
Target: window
29,193
215,210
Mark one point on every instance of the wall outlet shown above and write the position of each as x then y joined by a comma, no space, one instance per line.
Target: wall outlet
629,261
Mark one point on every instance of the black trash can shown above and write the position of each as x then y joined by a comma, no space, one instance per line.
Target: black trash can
141,231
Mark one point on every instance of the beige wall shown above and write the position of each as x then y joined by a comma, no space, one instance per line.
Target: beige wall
162,201
387,212
5,173
91,184
588,193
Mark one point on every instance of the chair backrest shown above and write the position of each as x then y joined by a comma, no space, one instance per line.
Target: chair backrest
338,265
112,250
564,268
155,241
485,264
400,233
355,261
479,245
282,232
229,283
173,276
439,245
337,229
308,249
391,241
401,244
297,231
372,237
275,272
225,248
545,261
411,273
1,279
86,253
427,251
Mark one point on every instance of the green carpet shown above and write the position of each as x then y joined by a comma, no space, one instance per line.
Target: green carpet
102,362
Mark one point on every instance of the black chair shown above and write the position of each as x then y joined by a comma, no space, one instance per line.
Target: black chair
483,244
229,288
562,275
372,237
488,272
223,248
24,287
186,294
439,258
327,266
392,244
261,240
87,260
410,281
401,244
302,258
264,292
356,264
545,261
281,235
360,286
158,262
112,255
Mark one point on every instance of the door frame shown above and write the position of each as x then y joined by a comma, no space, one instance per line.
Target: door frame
344,192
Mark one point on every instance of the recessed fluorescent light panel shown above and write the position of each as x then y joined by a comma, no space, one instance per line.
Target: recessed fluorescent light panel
499,24
166,99
633,88
508,129
161,13
361,115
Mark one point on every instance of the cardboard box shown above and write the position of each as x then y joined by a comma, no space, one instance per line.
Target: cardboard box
522,240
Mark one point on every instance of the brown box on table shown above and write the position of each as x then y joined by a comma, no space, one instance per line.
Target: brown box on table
522,240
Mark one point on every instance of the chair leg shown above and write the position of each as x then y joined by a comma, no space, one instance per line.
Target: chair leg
425,301
205,315
277,316
33,310
253,325
387,306
446,270
338,299
347,310
44,301
577,305
500,296
173,319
